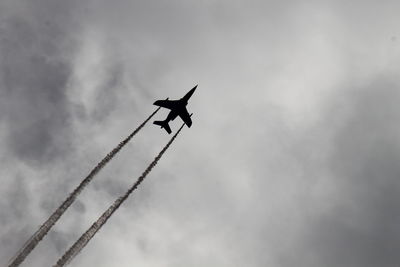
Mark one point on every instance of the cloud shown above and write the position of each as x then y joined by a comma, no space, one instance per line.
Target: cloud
291,159
360,229
34,77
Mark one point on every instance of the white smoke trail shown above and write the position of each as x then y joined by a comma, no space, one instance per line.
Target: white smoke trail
34,240
96,226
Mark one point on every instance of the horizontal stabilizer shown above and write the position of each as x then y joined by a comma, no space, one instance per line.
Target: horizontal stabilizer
164,125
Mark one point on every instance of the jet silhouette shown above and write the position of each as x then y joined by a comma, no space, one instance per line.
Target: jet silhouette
178,108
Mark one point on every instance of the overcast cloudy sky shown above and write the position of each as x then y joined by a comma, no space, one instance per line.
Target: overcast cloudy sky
292,159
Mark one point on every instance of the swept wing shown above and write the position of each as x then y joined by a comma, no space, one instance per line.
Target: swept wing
169,104
184,114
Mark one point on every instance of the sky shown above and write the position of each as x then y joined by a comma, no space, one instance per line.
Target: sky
292,158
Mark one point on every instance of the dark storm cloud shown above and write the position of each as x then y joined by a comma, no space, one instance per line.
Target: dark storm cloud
296,185
34,49
36,43
362,226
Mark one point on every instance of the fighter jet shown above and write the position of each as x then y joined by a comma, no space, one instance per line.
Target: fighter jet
178,108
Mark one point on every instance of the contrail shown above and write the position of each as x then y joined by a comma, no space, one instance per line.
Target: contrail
34,240
96,226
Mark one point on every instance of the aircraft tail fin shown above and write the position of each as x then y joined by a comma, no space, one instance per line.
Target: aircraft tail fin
164,125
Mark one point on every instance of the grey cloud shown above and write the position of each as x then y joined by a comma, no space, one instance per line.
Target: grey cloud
291,160
34,76
359,227
35,47
364,227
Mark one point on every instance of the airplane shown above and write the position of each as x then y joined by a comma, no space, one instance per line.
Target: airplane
178,108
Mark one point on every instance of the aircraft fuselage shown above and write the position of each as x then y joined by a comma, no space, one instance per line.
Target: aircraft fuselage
178,108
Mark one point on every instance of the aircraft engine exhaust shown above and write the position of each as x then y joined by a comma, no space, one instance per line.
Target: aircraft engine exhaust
34,240
96,226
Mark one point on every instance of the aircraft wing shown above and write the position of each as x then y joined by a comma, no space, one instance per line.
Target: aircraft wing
184,114
169,104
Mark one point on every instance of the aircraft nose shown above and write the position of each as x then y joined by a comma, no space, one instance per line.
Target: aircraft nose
189,94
